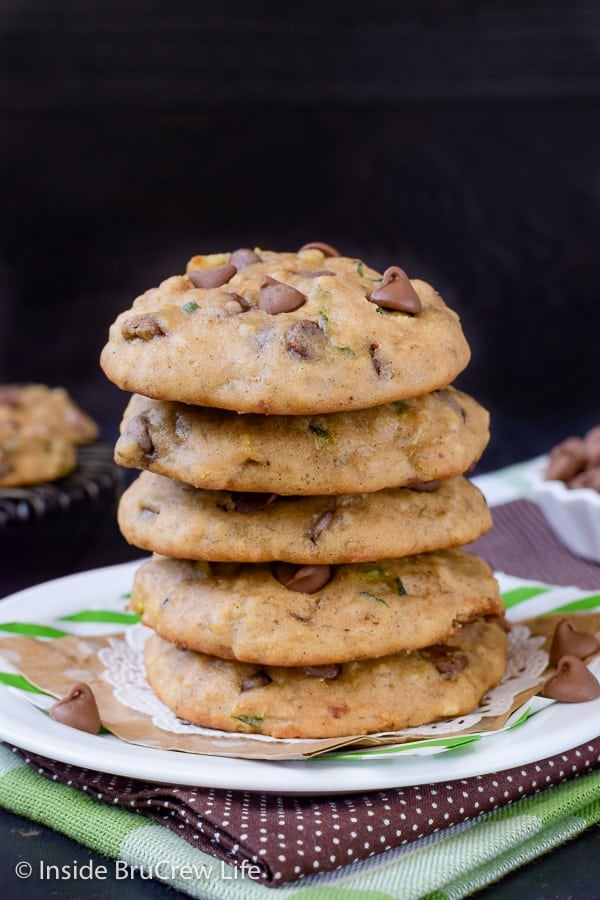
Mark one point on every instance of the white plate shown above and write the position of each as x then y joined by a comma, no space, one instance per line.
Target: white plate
553,730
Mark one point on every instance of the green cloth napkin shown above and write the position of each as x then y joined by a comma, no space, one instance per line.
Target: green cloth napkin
450,864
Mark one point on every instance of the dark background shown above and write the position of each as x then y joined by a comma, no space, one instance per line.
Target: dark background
456,139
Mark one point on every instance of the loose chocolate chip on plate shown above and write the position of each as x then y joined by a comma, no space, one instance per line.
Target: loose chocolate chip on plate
243,257
212,278
396,292
567,640
326,249
572,683
276,297
304,579
143,326
78,709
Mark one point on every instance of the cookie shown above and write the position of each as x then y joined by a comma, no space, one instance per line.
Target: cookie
171,518
285,334
40,428
434,436
353,698
287,615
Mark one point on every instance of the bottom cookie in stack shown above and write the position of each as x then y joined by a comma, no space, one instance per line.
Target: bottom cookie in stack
354,698
322,651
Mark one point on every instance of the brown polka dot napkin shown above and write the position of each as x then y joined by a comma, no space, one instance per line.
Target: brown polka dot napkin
289,837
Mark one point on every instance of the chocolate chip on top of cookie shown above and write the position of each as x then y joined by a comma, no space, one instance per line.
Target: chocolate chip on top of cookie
396,292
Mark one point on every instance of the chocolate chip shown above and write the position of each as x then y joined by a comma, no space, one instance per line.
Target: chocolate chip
78,709
326,249
304,579
449,399
452,664
589,478
248,502
237,298
563,467
575,446
244,257
138,429
568,641
276,297
255,680
327,672
566,460
576,461
396,292
572,683
322,523
212,278
376,362
144,327
423,486
592,446
447,660
318,273
303,338
235,305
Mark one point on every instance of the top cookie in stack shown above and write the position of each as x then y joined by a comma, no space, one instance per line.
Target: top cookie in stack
295,415
286,334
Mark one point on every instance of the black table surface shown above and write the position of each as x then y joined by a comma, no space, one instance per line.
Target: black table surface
570,871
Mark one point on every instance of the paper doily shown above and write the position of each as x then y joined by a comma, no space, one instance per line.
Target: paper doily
125,671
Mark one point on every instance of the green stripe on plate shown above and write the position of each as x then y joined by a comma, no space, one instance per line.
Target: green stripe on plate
448,743
584,603
12,680
32,630
102,615
522,718
518,595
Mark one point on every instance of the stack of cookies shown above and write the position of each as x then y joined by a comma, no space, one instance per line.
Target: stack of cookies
303,495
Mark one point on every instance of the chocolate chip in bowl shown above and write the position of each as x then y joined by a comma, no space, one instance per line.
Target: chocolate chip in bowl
566,486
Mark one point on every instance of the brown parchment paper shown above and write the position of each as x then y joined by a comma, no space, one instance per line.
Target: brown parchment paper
54,666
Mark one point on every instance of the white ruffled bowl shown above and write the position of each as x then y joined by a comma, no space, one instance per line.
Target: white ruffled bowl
572,513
